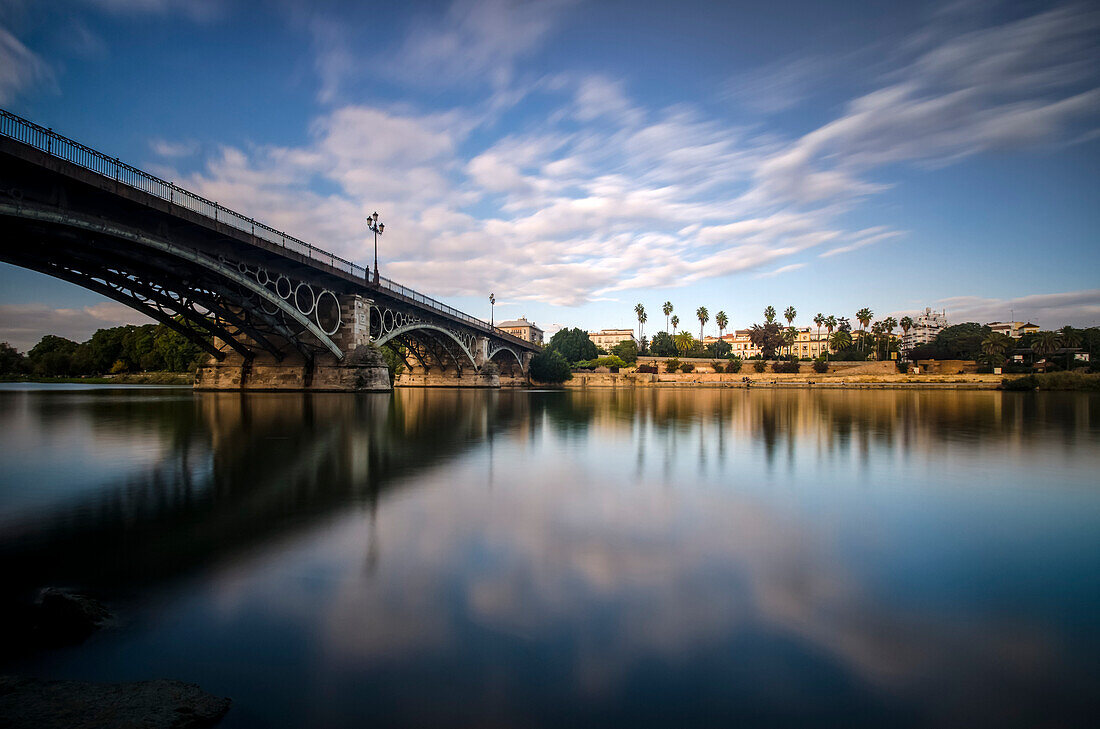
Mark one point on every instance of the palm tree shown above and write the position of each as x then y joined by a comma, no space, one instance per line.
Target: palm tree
790,314
1045,343
640,311
704,316
878,330
819,319
994,347
721,320
667,309
769,314
864,316
840,340
1070,336
906,324
830,325
888,325
675,323
684,342
790,336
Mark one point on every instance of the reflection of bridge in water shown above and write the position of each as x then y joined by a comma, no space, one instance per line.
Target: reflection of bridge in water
271,311
241,471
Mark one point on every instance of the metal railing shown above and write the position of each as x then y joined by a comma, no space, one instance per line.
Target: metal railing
21,130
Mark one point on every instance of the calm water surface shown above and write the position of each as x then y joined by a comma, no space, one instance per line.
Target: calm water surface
527,559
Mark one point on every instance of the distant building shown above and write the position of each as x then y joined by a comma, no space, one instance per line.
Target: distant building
608,338
924,330
523,329
809,343
1013,329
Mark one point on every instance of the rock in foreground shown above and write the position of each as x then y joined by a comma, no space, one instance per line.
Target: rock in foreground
30,702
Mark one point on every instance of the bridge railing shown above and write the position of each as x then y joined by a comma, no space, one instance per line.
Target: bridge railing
20,129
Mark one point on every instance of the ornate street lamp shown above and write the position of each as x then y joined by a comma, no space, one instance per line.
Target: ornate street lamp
374,226
492,309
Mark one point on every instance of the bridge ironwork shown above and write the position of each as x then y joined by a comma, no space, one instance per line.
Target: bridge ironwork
55,145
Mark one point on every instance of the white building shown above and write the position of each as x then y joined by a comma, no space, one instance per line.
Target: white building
924,330
1015,329
608,338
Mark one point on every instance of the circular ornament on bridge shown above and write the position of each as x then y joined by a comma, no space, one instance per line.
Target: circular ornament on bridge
303,293
387,321
327,312
269,307
242,267
261,277
283,287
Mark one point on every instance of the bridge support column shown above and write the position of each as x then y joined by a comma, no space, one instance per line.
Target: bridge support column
481,351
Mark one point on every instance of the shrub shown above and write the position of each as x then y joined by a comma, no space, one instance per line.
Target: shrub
759,365
609,362
717,367
820,366
647,369
785,367
549,366
687,367
671,365
734,364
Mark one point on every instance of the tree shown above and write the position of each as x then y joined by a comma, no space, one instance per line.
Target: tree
721,320
626,350
12,361
703,316
642,318
995,346
1070,337
675,323
549,366
790,336
789,315
830,325
1046,343
52,356
961,341
718,349
662,345
819,319
906,324
667,309
769,315
864,317
840,340
684,342
768,337
573,344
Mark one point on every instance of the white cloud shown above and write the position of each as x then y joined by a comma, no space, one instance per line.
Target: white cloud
20,67
1076,308
22,325
780,270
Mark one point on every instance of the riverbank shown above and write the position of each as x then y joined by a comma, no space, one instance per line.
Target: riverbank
144,378
775,380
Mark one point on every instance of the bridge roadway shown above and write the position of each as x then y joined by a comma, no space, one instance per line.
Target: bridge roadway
271,311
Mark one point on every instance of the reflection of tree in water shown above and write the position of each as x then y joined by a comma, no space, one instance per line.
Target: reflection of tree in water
239,469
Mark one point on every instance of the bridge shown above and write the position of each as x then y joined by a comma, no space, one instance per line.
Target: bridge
271,311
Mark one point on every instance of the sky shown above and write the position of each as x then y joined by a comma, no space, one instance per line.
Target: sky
579,157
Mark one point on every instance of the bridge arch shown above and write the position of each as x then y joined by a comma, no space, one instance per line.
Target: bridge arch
412,328
125,286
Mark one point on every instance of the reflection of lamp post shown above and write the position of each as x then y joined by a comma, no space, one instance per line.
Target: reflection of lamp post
374,226
492,308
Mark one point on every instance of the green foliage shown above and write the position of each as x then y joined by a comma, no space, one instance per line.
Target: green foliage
662,345
718,348
612,361
769,337
717,367
550,366
759,365
574,345
626,350
647,369
684,343
820,365
391,355
785,367
671,365
687,367
1054,381
12,361
734,364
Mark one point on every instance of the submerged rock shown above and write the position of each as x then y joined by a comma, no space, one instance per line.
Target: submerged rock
63,617
30,702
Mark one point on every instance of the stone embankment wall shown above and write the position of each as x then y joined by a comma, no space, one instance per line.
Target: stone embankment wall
703,366
361,371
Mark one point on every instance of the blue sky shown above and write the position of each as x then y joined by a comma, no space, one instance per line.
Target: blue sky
577,158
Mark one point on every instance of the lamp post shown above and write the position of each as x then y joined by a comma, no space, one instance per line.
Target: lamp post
374,226
492,309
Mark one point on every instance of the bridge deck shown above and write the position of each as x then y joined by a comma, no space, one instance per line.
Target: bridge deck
141,186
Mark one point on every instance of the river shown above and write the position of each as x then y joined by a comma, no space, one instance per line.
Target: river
580,558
